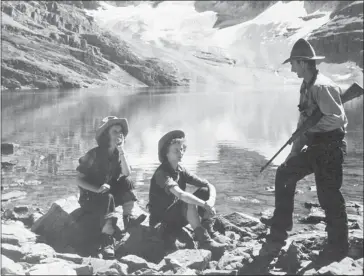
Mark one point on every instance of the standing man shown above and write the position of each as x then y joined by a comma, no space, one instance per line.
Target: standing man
323,156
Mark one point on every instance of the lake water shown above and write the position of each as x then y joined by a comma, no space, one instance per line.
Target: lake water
230,134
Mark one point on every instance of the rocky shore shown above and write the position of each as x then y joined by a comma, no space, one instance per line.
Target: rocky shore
65,240
61,241
53,44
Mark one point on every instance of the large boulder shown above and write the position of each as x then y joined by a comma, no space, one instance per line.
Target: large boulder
243,224
36,252
142,241
191,258
9,267
231,262
56,268
13,252
135,263
15,233
69,229
346,266
100,266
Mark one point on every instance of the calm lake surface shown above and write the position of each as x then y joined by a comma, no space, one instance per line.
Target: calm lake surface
230,134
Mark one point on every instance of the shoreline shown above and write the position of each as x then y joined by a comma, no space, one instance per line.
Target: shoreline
29,246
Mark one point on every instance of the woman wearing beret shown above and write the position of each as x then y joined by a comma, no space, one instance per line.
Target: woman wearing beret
103,179
173,207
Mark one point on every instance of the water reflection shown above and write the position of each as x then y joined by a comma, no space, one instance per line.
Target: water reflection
229,134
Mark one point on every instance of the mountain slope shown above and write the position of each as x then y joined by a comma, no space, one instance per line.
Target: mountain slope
56,45
143,43
340,39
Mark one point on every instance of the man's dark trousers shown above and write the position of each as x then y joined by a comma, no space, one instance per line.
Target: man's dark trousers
325,160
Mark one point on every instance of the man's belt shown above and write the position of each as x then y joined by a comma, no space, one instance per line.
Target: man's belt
329,137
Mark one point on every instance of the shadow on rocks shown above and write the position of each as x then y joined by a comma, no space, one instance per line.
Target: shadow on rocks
150,244
261,263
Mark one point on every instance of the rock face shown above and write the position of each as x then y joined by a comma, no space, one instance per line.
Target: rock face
231,13
341,39
42,48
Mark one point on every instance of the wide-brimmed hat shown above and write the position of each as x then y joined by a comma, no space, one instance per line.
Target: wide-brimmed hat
110,121
167,138
303,50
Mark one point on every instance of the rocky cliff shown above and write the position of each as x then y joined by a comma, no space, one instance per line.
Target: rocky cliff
56,44
48,44
341,39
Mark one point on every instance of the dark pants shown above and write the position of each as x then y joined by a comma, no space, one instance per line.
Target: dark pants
175,218
325,160
105,204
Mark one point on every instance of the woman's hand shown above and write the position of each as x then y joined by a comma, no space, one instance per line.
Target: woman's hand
103,189
210,208
120,144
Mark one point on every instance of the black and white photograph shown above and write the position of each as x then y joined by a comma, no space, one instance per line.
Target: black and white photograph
182,137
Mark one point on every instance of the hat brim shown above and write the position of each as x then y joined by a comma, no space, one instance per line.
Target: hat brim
303,58
120,121
167,138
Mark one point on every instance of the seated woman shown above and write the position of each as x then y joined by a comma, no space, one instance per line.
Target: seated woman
173,207
104,181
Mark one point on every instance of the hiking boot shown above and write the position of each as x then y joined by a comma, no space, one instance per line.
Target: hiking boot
262,262
271,248
269,222
131,220
329,255
205,242
208,224
107,246
277,235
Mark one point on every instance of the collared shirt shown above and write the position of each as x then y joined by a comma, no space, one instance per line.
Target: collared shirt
99,167
323,93
164,178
